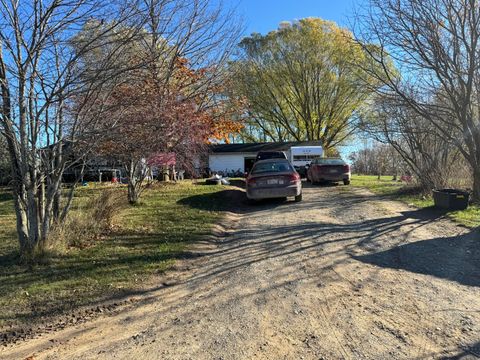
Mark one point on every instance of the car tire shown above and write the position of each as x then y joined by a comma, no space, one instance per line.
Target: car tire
346,182
298,198
251,201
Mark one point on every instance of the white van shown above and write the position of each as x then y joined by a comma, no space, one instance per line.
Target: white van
301,156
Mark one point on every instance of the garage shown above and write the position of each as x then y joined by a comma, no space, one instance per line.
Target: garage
239,158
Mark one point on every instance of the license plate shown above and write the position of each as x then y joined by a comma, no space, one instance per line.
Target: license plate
333,171
272,181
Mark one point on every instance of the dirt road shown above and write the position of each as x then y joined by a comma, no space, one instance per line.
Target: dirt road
342,275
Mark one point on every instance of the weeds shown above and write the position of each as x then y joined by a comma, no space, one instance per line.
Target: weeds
89,222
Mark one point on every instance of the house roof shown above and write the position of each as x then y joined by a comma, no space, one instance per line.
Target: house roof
256,147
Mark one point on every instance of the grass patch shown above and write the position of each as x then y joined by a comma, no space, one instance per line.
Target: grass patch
146,239
399,191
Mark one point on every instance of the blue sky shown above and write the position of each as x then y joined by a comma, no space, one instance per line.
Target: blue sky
265,15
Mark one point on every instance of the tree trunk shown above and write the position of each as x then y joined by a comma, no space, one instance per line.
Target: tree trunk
26,249
133,186
476,185
56,205
37,204
132,192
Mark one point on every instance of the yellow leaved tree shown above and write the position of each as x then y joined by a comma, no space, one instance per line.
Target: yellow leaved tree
301,82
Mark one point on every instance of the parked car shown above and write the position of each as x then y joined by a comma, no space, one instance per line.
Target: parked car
273,178
264,155
329,170
302,156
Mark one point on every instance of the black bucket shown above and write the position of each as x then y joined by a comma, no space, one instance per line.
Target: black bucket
451,199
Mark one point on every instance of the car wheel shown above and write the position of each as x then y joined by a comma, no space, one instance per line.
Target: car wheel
346,182
251,201
298,198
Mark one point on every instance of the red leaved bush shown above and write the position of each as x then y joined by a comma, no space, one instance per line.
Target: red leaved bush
149,116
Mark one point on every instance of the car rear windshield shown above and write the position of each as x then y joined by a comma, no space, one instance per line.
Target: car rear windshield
271,166
271,155
329,162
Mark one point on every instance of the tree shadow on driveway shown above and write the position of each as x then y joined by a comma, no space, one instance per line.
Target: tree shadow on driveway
232,199
455,258
466,353
430,213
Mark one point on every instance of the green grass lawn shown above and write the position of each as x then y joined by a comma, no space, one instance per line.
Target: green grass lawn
399,191
146,239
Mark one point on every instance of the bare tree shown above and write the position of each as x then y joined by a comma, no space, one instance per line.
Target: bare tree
434,45
418,142
41,77
201,32
379,159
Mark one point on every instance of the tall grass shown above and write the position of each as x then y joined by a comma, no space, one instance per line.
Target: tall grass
89,221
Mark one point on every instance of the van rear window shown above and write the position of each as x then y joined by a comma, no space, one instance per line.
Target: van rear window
305,157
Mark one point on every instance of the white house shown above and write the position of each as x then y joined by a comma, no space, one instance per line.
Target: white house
227,158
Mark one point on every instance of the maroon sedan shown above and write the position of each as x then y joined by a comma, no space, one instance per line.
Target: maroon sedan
329,170
273,178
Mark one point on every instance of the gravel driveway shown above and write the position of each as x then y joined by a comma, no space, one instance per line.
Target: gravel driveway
341,275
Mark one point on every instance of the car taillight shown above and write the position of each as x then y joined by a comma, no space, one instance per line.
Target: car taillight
346,168
294,178
251,181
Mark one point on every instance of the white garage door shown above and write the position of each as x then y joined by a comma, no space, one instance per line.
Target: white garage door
228,162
